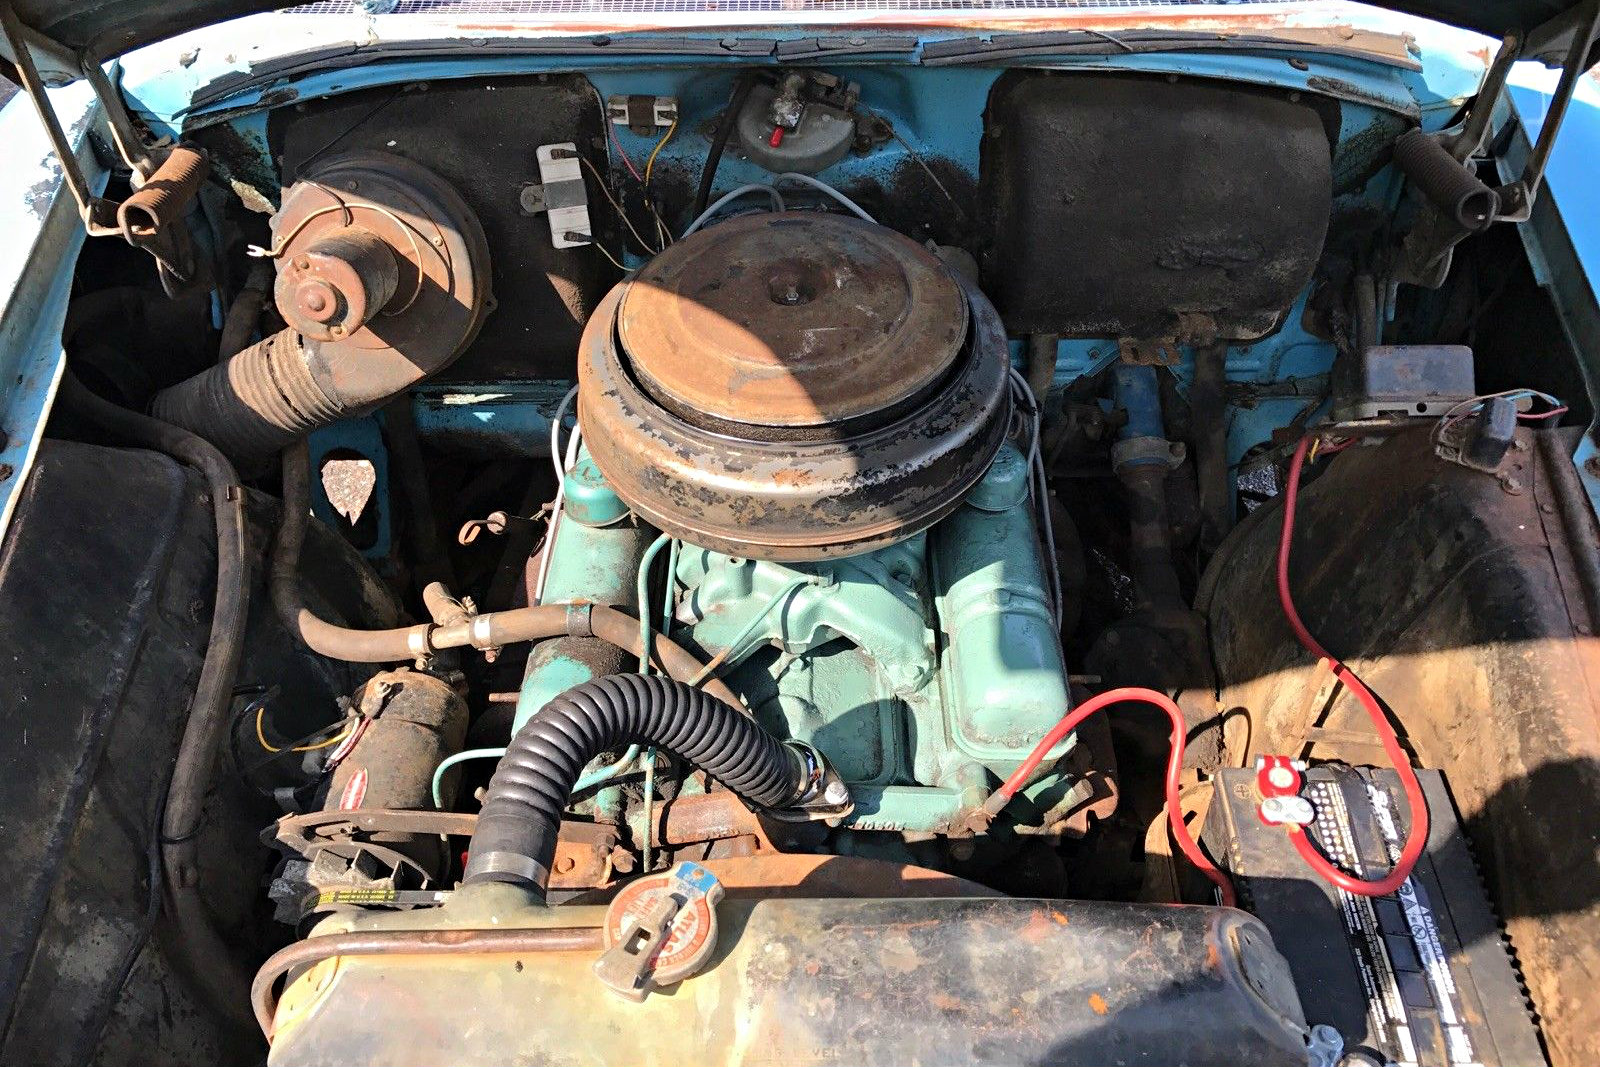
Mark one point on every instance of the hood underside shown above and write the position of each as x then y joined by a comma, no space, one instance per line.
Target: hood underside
101,29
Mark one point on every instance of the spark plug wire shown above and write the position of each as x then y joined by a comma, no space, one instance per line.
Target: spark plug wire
1417,838
1072,720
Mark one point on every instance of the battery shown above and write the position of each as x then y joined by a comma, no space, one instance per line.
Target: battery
1420,978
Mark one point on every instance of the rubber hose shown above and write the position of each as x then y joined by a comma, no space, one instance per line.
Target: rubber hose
1446,181
319,635
203,949
515,840
256,402
493,630
719,142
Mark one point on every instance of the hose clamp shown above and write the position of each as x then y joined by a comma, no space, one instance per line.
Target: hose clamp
486,866
580,620
481,632
820,794
418,643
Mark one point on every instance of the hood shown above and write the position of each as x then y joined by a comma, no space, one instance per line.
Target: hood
102,29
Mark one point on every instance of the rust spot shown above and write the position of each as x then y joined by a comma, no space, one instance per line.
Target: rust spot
1213,957
813,968
791,477
1059,918
1098,1004
945,1002
1038,929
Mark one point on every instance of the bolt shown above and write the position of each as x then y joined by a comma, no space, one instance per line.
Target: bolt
1510,484
836,793
1548,509
962,850
566,864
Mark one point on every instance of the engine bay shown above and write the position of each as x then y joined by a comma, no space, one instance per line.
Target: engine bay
806,560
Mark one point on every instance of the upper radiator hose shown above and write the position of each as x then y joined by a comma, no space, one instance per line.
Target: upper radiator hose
515,839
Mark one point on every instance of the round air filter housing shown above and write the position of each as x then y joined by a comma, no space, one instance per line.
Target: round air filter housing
793,386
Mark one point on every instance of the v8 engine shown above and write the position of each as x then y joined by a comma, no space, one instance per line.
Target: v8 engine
818,414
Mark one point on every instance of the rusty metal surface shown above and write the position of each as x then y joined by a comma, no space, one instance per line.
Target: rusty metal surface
956,980
1460,602
314,950
441,292
785,498
338,284
778,875
791,319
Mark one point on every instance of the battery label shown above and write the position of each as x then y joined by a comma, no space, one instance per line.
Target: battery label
1412,998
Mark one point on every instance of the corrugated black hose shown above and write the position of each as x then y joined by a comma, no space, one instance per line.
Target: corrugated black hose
515,840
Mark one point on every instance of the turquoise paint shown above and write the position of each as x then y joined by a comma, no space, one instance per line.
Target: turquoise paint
1004,681
924,671
589,499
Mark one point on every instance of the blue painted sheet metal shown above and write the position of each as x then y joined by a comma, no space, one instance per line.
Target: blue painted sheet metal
42,237
1563,237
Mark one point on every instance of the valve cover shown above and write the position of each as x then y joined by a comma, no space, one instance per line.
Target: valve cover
793,386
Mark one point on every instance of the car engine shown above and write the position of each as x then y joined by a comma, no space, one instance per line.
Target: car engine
788,562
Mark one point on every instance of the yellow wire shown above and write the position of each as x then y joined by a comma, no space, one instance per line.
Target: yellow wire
600,181
261,736
651,162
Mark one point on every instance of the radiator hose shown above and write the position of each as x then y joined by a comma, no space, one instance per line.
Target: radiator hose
515,839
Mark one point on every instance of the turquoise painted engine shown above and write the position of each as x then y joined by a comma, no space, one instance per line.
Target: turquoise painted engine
923,671
806,455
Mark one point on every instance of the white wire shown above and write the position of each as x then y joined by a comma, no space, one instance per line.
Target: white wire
555,432
806,179
556,457
1038,484
743,190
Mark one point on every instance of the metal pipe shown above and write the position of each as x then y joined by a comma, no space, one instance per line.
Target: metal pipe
34,86
491,630
1142,469
1576,514
1209,414
1533,172
264,999
1040,366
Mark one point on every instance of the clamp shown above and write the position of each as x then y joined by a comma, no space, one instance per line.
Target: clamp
1278,781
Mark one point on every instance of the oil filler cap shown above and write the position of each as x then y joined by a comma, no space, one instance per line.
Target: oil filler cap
659,930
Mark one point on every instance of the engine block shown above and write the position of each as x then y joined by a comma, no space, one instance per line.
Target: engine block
924,671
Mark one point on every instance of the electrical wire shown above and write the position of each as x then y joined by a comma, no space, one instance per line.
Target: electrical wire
1073,719
1027,408
743,190
616,205
823,187
261,736
1417,837
561,468
650,163
1467,408
611,131
615,262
